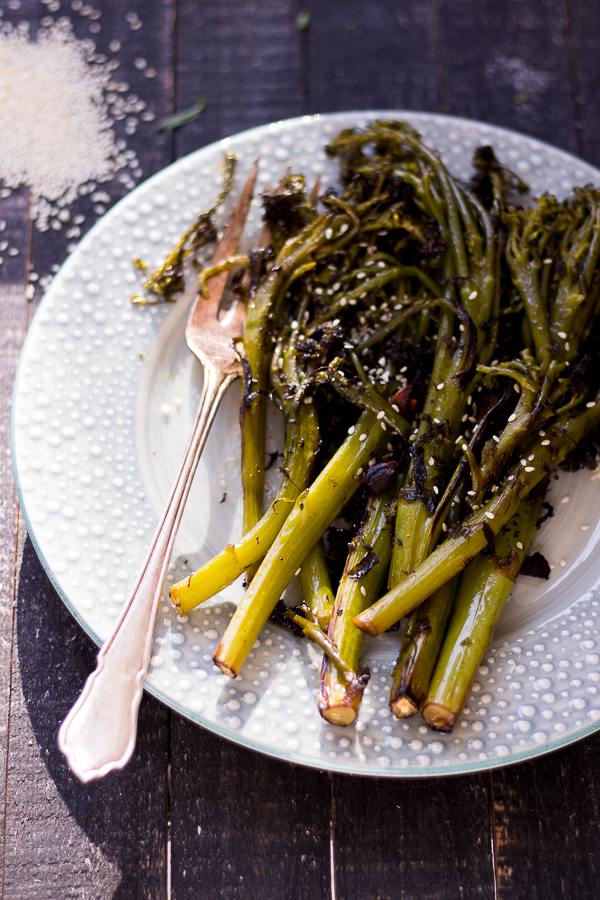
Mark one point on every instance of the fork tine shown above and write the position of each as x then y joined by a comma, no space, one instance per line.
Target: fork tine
229,243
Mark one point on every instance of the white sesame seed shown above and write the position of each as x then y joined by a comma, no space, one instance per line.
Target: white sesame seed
590,404
585,527
362,590
444,526
542,433
343,228
562,563
470,493
530,468
431,461
489,515
329,234
562,334
517,388
472,295
352,429
362,437
440,386
565,499
531,456
380,414
548,262
297,572
496,438
523,462
436,489
567,346
519,545
383,426
512,417
552,567
436,421
545,443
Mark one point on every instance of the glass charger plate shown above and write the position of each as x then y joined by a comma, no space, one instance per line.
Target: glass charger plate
103,406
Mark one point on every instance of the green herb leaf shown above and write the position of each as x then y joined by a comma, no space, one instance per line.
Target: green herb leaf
182,118
302,21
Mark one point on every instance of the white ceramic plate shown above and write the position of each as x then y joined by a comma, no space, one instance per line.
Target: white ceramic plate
103,405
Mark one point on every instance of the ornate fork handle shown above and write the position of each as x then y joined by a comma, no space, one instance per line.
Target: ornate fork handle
99,732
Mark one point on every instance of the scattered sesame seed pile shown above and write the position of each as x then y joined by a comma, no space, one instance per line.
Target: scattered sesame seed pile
58,103
432,346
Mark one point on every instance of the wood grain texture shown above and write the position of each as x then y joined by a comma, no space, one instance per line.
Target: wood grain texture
507,63
412,840
245,58
583,32
13,316
547,825
244,826
65,839
375,55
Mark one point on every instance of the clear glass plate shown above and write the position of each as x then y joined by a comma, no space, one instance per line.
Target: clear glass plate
103,405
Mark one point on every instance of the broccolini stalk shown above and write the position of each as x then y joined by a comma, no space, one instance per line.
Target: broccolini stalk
294,255
302,443
313,512
315,586
425,631
484,589
458,550
363,575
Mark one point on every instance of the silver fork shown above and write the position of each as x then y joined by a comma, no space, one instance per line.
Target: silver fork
99,733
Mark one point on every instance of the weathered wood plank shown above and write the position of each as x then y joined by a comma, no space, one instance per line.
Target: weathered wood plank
375,55
243,826
15,232
106,839
507,63
245,58
583,23
547,825
403,840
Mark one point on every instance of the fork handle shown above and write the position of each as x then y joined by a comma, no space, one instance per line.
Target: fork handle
99,733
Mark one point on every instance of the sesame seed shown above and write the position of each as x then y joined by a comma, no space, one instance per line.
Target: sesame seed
517,388
351,430
531,456
519,545
362,437
567,346
585,527
523,462
444,526
530,468
470,493
329,234
440,386
382,360
590,404
363,591
565,499
542,433
489,515
562,563
436,489
436,421
297,572
496,438
383,426
545,443
343,228
380,414
431,461
562,334
548,262
512,417
472,295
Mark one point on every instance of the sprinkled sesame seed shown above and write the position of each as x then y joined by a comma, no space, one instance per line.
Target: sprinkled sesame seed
383,426
567,346
444,526
590,404
496,438
380,414
523,462
397,408
565,499
562,335
517,388
585,527
343,228
519,545
329,234
362,437
545,443
440,386
542,433
297,572
548,262
351,429
562,563
530,468
531,456
361,275
436,489
512,417
470,493
363,590
489,515
552,567
431,461
436,421
472,295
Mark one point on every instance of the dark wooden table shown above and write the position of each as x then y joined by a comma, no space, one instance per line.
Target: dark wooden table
193,816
